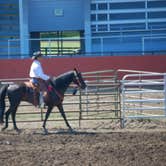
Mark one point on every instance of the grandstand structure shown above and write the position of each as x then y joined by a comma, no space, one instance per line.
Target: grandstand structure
105,27
9,25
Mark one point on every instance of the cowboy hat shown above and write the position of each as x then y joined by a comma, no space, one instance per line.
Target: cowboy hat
37,55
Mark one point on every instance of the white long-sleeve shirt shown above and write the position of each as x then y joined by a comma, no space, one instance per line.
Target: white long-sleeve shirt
37,71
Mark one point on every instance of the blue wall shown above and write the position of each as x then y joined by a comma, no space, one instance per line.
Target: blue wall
107,26
42,15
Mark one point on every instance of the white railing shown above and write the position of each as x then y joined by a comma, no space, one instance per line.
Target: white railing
151,38
143,96
99,44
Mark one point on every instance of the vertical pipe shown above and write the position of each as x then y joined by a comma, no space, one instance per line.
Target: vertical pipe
8,43
61,43
143,45
58,47
80,107
49,46
165,93
123,103
146,15
102,46
41,113
87,100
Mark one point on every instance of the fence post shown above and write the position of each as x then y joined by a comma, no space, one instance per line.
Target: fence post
122,101
80,107
165,92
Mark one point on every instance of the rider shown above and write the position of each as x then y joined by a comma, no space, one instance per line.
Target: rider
38,77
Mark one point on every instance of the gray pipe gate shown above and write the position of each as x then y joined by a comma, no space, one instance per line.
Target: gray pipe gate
100,101
143,95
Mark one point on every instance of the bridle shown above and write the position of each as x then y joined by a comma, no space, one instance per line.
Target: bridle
77,78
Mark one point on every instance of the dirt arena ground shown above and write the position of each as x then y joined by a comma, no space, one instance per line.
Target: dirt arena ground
141,143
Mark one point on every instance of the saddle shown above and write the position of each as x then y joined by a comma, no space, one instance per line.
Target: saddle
29,84
37,88
36,92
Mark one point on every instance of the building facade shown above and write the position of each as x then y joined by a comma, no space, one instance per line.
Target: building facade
106,27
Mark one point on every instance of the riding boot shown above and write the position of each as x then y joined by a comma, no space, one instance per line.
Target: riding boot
36,98
41,100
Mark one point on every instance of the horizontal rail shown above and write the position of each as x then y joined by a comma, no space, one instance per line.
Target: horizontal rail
143,91
144,100
143,83
146,116
144,109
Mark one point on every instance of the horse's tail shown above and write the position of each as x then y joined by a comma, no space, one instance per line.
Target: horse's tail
3,91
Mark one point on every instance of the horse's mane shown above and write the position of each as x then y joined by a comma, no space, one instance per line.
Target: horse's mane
61,76
61,79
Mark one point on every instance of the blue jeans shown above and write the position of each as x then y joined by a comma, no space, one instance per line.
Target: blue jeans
35,81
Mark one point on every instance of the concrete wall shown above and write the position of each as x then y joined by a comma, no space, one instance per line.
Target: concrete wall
56,66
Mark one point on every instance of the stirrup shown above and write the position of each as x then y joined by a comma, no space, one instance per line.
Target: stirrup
41,101
42,105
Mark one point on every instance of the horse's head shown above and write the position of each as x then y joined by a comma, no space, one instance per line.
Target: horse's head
62,82
78,79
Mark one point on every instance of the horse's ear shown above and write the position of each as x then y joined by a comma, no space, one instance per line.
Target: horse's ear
76,70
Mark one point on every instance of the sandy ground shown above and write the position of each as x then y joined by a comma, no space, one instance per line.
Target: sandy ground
141,143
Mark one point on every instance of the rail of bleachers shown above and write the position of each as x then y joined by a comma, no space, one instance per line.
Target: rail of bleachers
122,19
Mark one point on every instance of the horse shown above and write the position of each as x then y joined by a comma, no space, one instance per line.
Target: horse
18,92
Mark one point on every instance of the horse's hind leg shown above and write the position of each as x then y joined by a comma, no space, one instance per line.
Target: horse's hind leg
6,119
13,113
14,119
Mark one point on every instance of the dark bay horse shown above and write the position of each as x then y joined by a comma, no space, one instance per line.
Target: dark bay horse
20,92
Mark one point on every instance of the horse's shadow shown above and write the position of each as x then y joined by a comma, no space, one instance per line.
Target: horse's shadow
65,132
12,132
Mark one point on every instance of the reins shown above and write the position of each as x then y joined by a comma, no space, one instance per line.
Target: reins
61,96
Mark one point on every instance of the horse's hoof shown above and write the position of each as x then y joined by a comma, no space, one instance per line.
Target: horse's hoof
71,130
45,132
1,122
3,129
17,130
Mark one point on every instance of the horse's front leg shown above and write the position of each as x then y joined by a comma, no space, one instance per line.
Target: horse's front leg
45,120
61,110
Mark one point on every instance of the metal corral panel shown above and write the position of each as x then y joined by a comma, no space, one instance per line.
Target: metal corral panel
143,96
100,101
